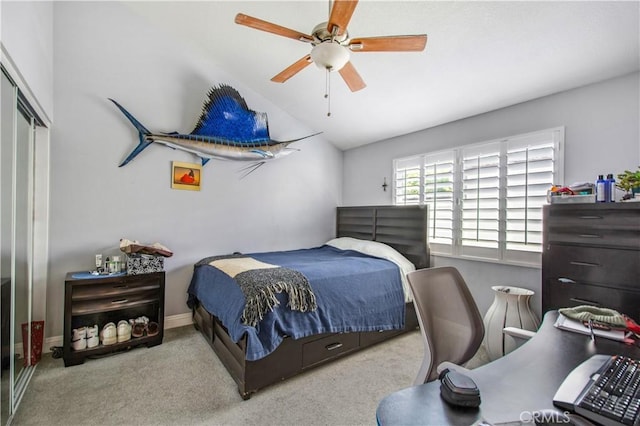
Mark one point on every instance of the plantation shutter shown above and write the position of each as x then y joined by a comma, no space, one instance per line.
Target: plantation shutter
530,168
480,220
407,180
439,196
485,200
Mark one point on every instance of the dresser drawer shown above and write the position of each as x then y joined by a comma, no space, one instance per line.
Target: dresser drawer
610,267
107,290
563,295
596,216
600,237
328,347
115,303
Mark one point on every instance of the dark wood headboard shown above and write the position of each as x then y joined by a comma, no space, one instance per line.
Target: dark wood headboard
402,227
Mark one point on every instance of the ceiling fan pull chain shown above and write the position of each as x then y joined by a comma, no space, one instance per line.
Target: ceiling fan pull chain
327,91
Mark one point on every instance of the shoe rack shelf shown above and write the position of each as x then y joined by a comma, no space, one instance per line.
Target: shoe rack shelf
90,301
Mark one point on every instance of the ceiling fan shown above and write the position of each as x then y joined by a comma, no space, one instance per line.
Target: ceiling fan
332,45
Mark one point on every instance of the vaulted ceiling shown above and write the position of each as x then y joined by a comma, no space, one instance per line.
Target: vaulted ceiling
480,56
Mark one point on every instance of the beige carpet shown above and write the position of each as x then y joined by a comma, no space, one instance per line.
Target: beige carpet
182,382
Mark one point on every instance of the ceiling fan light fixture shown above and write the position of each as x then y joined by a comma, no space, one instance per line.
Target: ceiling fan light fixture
330,56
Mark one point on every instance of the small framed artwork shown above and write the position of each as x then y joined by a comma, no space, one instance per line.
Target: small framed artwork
185,176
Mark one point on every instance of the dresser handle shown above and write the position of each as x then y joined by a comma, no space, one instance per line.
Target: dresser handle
590,236
584,264
566,281
333,346
591,217
120,301
121,286
584,301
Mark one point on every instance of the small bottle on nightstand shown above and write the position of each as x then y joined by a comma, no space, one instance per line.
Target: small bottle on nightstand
601,190
611,188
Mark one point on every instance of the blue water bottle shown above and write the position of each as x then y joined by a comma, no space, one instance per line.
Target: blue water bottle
611,188
601,187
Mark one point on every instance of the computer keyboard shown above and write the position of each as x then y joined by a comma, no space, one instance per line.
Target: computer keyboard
604,389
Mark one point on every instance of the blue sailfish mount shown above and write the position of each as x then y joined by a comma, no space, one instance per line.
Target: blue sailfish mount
226,130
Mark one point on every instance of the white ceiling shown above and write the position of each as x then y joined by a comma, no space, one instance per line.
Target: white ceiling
480,56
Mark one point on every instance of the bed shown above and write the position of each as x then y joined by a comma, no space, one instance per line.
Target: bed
287,342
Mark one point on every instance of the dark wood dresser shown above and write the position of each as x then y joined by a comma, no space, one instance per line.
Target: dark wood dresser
591,256
102,300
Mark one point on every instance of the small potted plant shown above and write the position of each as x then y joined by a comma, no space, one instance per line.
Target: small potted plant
629,182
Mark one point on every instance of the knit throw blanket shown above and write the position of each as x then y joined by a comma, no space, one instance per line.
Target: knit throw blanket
260,282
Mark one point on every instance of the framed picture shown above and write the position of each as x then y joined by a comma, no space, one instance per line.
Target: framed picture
185,176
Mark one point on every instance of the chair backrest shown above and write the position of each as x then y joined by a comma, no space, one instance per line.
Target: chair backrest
450,322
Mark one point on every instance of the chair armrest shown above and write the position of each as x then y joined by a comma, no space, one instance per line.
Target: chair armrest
518,333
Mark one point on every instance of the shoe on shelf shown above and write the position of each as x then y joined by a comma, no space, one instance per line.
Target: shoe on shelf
93,339
124,331
138,329
153,328
79,338
109,334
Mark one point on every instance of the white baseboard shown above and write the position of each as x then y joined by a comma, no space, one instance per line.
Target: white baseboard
171,321
178,320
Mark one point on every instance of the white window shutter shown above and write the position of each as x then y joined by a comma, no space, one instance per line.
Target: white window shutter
530,171
485,200
439,196
480,200
407,181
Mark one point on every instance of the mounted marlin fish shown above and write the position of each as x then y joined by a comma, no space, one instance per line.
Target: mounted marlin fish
227,130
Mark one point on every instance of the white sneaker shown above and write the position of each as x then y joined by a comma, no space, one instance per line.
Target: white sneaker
93,339
124,331
79,338
109,334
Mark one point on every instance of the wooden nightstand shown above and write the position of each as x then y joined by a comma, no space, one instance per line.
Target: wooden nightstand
90,301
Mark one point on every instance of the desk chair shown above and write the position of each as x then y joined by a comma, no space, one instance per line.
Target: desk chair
451,325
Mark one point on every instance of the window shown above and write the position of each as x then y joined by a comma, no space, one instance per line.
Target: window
485,200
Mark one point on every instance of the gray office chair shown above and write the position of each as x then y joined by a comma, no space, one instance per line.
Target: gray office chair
451,325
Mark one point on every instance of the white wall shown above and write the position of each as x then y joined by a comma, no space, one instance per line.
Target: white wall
602,135
102,50
27,36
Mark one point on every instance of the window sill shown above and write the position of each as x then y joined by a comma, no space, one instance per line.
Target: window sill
487,260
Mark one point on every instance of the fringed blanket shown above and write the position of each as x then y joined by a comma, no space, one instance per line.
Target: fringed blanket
260,282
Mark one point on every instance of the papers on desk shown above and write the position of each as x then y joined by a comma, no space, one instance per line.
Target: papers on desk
569,324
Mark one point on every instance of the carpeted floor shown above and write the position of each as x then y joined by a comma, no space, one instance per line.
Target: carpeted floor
182,382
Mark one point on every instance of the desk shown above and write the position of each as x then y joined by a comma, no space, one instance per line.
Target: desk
524,380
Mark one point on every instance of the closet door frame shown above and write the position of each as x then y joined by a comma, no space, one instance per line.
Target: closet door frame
38,256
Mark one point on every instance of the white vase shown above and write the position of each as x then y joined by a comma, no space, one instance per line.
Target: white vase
510,308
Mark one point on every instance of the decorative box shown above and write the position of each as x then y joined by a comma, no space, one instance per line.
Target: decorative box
144,264
572,199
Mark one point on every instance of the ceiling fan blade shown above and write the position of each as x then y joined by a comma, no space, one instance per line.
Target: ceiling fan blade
405,43
341,15
261,25
292,69
352,78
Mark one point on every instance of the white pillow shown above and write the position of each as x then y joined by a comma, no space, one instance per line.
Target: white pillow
374,248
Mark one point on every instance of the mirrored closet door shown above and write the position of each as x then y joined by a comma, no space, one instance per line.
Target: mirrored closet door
17,132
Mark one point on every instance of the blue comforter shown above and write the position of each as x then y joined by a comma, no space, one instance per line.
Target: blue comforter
354,292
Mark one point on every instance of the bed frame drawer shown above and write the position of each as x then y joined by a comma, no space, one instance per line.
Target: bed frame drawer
368,338
328,347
